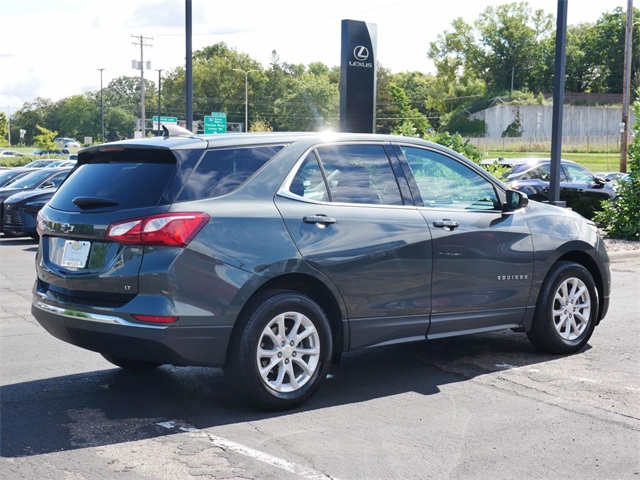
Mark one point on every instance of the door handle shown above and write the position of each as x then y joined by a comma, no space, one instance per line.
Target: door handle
320,220
446,224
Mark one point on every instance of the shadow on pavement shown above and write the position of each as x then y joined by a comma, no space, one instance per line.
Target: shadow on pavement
114,406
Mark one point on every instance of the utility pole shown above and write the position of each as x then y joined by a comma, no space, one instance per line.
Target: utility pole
558,104
159,104
626,87
140,41
101,104
246,96
188,15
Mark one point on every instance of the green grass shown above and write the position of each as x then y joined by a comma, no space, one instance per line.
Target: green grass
596,162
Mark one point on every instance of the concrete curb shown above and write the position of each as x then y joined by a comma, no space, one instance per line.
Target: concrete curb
624,255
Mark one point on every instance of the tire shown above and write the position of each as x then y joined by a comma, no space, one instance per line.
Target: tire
566,310
281,354
129,364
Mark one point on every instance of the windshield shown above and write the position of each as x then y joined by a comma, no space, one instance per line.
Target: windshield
29,181
6,175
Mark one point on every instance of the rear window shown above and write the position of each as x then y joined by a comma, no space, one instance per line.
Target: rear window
222,171
133,177
132,185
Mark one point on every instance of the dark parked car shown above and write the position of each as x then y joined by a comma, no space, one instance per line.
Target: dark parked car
583,191
10,174
38,180
53,151
20,210
272,254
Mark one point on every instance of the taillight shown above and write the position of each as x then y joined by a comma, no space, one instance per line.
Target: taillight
167,229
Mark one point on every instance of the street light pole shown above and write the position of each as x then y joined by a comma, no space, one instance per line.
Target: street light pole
246,96
101,104
159,105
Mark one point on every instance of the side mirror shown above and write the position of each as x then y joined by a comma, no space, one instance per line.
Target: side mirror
48,185
515,201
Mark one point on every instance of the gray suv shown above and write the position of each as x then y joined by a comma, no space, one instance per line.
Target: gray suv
272,254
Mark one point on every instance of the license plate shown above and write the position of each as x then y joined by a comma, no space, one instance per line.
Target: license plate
75,254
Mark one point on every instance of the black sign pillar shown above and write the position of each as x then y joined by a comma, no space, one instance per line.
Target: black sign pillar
358,77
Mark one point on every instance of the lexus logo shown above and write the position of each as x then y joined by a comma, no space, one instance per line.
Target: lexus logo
361,53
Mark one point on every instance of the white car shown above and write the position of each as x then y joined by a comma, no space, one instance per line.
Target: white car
67,142
10,153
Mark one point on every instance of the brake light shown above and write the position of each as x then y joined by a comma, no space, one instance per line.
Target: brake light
155,318
166,229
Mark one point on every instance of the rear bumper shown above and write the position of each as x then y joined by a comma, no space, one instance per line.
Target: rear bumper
113,335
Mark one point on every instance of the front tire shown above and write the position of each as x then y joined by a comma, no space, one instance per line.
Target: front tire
566,310
281,355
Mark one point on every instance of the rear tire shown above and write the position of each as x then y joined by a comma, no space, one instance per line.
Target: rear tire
281,355
129,364
566,310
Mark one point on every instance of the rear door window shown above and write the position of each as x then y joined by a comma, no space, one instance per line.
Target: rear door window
348,174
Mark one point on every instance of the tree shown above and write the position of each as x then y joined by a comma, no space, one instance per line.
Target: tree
124,92
502,47
217,86
312,104
28,117
608,47
4,130
119,124
45,139
79,116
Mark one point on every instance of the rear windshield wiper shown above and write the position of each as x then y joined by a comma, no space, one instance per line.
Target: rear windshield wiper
93,202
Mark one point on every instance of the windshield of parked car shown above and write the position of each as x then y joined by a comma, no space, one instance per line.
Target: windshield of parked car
31,180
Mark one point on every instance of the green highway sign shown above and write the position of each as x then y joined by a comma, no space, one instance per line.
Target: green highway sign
215,123
165,120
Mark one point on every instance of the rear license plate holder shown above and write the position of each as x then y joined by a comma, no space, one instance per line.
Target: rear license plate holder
75,254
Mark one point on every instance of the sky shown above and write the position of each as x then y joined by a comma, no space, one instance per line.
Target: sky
55,48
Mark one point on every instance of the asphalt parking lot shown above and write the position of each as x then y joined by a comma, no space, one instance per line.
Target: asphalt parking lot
482,406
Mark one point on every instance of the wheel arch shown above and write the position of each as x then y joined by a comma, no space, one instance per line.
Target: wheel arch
309,286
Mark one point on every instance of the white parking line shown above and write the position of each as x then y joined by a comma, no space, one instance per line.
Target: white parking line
225,444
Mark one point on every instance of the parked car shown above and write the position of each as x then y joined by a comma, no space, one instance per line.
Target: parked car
39,180
507,162
54,151
272,254
67,163
609,176
66,142
581,189
10,174
10,153
19,212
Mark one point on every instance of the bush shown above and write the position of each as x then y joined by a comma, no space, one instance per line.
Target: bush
621,217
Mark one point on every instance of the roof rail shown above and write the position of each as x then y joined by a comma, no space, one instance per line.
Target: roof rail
175,131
